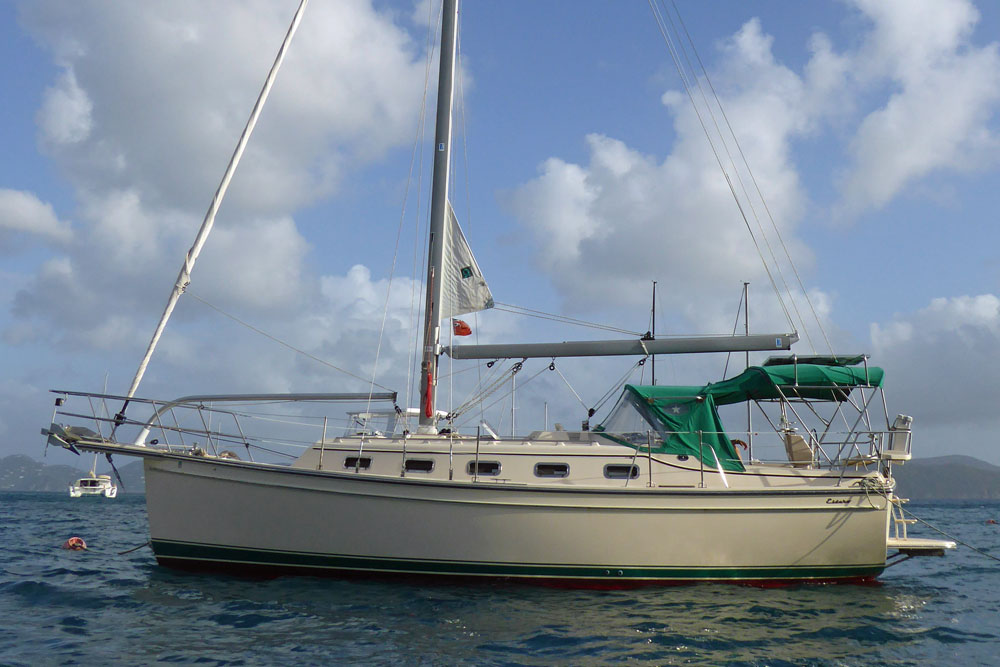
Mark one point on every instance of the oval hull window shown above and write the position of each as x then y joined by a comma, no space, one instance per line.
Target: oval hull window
489,468
355,463
619,471
419,465
551,470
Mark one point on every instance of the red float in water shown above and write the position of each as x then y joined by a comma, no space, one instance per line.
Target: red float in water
75,544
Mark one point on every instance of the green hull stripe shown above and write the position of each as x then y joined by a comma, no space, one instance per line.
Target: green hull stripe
191,555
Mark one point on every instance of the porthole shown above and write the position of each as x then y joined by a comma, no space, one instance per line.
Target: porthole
551,470
682,457
483,468
619,471
419,465
356,463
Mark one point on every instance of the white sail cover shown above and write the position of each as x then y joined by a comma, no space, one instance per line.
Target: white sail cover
464,290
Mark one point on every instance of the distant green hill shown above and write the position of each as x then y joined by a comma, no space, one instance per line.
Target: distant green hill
948,478
23,473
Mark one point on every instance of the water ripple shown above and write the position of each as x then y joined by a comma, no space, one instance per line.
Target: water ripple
99,606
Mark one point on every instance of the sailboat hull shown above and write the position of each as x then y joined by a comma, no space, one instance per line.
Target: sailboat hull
217,515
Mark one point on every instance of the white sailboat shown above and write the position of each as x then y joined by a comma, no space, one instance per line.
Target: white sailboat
657,493
93,485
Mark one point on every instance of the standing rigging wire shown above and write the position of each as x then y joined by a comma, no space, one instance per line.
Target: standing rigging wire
673,30
673,34
399,232
490,389
736,324
467,369
496,381
736,171
555,368
184,275
641,363
484,388
468,204
277,340
540,314
468,196
451,370
687,89
684,76
501,382
760,194
668,359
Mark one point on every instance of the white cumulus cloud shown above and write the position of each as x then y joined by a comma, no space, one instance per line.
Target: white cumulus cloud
65,116
24,212
608,227
943,358
144,140
941,111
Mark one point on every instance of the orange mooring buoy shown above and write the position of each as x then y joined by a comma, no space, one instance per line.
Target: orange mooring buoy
991,522
75,544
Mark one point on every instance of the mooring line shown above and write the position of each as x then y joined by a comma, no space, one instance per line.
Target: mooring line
950,537
144,544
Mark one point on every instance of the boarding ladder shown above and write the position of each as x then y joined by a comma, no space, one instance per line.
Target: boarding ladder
907,547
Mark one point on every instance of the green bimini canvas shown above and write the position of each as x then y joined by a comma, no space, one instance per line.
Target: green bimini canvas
684,420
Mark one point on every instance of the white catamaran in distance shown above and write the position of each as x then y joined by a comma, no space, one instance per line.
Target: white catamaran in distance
93,485
657,493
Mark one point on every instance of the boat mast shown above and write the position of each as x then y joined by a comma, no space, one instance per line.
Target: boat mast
439,205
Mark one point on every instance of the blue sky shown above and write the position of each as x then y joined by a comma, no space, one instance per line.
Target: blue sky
581,176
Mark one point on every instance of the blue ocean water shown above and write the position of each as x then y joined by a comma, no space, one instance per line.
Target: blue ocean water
101,607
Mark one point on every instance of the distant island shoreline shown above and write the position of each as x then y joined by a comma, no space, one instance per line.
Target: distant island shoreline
942,478
19,472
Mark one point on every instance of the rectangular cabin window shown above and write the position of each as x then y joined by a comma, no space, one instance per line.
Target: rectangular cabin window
484,468
551,470
355,463
419,465
619,471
